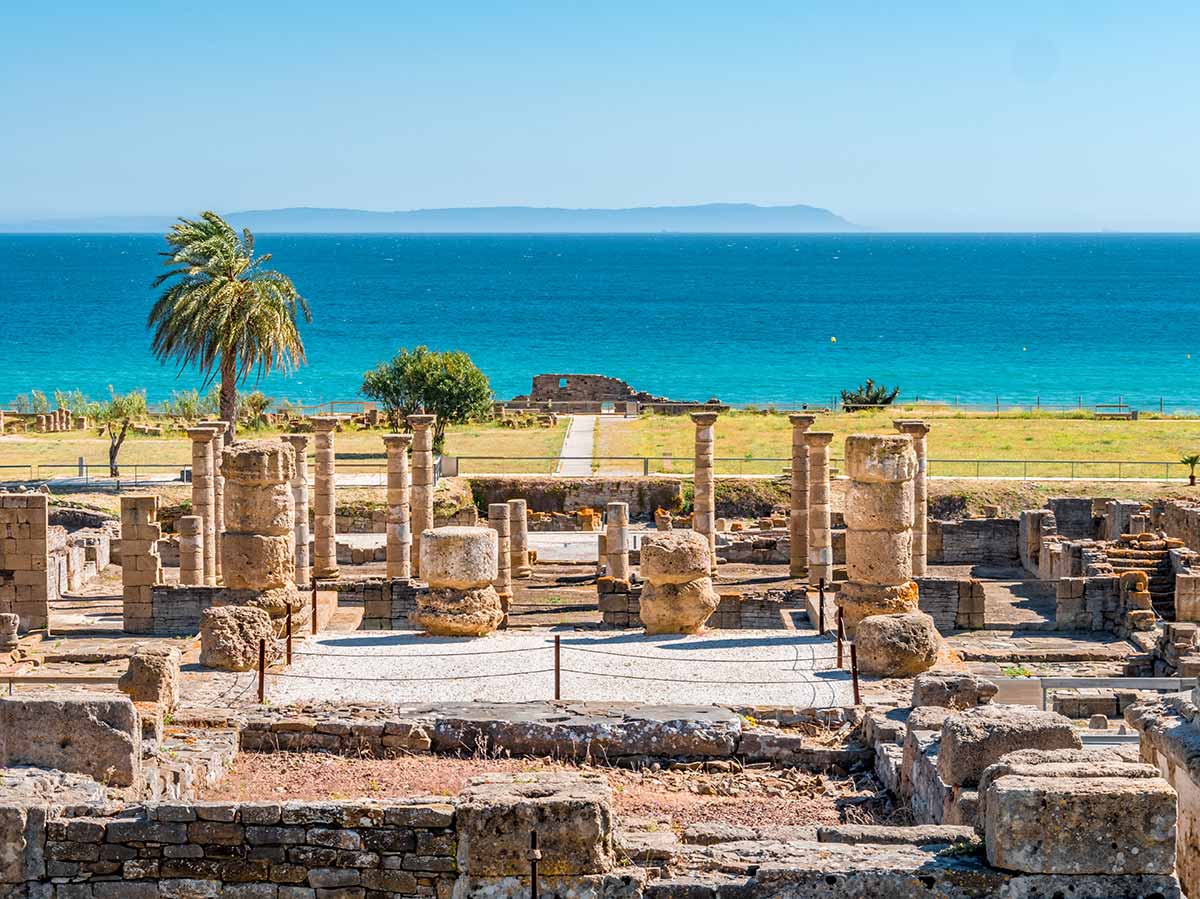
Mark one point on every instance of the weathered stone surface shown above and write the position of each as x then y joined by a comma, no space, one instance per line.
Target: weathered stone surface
229,637
858,601
1071,825
882,558
887,834
879,507
22,831
259,508
673,608
952,690
153,676
258,462
675,557
459,558
622,883
572,814
9,623
94,734
257,561
897,645
974,739
880,459
457,612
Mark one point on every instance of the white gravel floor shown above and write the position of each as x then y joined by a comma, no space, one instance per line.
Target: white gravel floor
783,668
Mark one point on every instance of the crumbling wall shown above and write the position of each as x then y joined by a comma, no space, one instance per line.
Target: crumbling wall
952,603
25,576
975,541
1075,516
548,494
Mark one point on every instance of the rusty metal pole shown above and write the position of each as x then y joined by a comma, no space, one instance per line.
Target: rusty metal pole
821,608
262,671
854,674
314,605
557,666
534,855
289,635
841,631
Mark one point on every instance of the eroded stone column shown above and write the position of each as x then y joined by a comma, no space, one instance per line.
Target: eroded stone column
299,445
498,522
219,426
422,481
204,498
820,524
460,565
518,524
399,515
260,524
918,430
704,502
678,596
191,549
616,541
325,500
798,512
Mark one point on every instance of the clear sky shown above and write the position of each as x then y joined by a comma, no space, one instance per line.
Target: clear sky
918,116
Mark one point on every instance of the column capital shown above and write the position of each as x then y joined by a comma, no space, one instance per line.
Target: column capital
397,442
325,422
802,421
298,441
818,438
217,424
202,435
704,419
421,422
911,426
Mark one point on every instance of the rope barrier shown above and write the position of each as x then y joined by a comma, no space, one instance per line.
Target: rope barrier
627,655
675,680
416,656
405,680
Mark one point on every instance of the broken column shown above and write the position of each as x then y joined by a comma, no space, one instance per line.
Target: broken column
204,496
498,522
917,430
299,445
460,565
820,523
678,596
422,481
518,525
325,502
260,525
191,550
704,501
141,567
220,427
399,524
10,622
798,511
616,541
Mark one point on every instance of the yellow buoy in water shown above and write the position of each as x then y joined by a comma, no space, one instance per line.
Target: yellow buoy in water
833,340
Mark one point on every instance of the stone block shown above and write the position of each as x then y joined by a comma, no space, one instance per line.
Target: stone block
153,676
897,645
952,690
459,558
229,637
675,557
94,734
979,737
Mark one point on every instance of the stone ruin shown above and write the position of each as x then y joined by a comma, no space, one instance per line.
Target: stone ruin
591,393
678,596
460,566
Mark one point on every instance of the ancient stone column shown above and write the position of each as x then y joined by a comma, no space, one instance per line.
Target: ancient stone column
40,423
798,511
616,541
325,505
917,431
141,567
299,445
399,516
219,426
820,526
678,596
460,565
422,481
518,525
704,502
498,522
191,550
204,499
260,525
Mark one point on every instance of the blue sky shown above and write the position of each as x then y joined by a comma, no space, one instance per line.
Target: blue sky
921,116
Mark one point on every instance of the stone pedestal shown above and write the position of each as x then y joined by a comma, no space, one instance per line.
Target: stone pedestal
220,428
820,527
518,524
704,502
191,550
204,498
325,500
460,565
399,516
260,525
616,541
798,513
678,597
498,522
299,445
422,481
918,430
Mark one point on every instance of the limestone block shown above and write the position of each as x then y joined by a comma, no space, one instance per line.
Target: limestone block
153,676
879,507
952,690
857,601
877,459
258,462
572,814
879,557
897,645
673,608
80,733
459,558
258,561
974,739
229,637
451,612
675,557
9,623
22,844
259,508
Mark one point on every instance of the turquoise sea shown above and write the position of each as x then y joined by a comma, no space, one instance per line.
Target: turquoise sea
747,319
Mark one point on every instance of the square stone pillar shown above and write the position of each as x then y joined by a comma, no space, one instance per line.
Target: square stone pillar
820,524
325,504
220,426
918,430
399,513
299,484
616,541
704,501
518,524
798,511
204,499
422,481
498,522
141,567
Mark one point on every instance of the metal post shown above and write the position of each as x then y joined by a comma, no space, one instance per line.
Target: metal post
854,674
557,666
534,855
262,671
841,634
289,635
314,605
645,466
821,609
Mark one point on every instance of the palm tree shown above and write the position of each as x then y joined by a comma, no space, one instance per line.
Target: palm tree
1191,462
223,310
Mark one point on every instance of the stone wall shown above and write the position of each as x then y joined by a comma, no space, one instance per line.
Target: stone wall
768,609
549,494
141,567
25,579
975,541
952,603
1180,519
1075,516
1089,604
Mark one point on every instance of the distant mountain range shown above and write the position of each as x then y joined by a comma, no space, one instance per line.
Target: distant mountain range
707,218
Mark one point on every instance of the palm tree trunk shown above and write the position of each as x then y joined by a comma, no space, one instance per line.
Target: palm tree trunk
229,397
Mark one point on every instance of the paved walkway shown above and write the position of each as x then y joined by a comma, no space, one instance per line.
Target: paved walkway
578,448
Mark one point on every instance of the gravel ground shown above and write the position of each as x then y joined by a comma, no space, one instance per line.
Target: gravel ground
720,668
